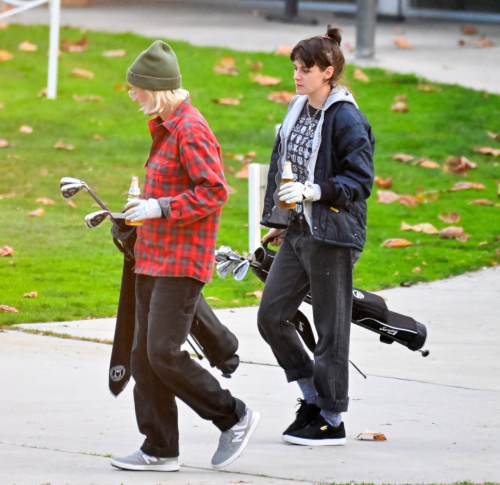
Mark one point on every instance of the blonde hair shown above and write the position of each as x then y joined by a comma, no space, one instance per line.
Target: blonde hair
158,102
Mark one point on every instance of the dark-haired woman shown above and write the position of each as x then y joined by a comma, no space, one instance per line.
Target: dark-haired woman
330,144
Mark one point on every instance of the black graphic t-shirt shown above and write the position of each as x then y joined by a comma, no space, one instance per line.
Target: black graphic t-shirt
299,147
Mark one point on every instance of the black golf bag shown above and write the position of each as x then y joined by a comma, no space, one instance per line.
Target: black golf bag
368,311
217,342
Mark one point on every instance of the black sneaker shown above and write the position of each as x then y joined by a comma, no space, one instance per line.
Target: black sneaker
306,414
318,433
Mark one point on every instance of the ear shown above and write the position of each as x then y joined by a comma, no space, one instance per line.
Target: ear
328,73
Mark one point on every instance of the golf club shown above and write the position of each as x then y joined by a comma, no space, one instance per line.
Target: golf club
224,268
71,186
241,270
95,218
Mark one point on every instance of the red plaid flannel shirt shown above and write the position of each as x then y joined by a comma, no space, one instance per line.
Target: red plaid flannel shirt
184,163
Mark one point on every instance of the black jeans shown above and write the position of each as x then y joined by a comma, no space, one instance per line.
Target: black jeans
302,265
162,371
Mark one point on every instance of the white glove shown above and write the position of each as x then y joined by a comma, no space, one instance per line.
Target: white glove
296,192
140,209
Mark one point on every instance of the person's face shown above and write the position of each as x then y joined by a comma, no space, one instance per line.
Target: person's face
137,95
309,80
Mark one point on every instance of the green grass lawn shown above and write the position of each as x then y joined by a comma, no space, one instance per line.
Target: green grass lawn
76,271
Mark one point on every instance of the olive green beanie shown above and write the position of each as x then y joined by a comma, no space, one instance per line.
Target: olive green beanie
156,69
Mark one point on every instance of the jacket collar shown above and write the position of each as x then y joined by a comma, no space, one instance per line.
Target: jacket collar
171,122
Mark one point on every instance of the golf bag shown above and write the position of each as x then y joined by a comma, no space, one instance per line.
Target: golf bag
368,311
217,343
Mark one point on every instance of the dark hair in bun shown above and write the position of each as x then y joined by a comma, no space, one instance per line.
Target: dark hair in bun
322,51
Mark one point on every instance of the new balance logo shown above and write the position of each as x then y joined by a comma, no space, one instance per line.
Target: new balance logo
238,436
390,331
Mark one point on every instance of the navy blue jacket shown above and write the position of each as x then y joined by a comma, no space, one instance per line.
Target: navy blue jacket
343,170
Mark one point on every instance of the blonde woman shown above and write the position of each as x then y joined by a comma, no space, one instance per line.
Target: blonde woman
184,191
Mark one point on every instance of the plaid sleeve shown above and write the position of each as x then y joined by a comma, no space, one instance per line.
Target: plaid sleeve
200,157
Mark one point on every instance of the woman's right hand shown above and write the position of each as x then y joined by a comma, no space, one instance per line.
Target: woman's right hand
274,237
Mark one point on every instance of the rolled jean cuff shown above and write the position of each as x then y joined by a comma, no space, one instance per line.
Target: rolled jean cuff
229,421
160,452
300,373
337,406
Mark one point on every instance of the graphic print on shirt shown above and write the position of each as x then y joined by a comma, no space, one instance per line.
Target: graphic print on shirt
299,147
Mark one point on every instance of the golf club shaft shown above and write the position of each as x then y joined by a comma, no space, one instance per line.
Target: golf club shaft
100,202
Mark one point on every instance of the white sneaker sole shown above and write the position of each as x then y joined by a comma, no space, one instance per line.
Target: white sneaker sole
170,467
253,426
306,442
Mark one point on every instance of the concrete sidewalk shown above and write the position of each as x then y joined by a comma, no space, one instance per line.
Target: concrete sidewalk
435,55
440,414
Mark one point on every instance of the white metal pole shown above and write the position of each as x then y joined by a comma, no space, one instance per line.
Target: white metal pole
253,207
55,14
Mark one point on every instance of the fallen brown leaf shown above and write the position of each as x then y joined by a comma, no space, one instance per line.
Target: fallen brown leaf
227,101
239,480
6,251
428,88
77,46
481,42
401,97
5,308
5,55
226,65
71,204
386,196
231,190
498,186
254,66
98,137
42,93
494,263
284,50
36,213
44,201
243,172
114,53
494,152
4,143
82,73
408,200
361,76
2,106
425,227
83,99
426,163
61,146
402,43
458,165
451,232
32,294
497,251
467,186
450,218
3,25
27,46
483,243
469,30
482,202
257,294
371,436
265,80
495,136
416,270
383,183
212,298
26,129
463,237
396,243
282,97
400,107
402,157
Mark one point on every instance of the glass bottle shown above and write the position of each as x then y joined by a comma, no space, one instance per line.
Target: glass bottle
286,176
134,193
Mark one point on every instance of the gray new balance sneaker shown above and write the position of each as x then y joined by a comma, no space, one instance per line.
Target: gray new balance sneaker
233,441
141,461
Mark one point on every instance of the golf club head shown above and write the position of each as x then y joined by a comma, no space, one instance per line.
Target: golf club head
241,270
70,190
221,253
70,180
94,219
224,268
